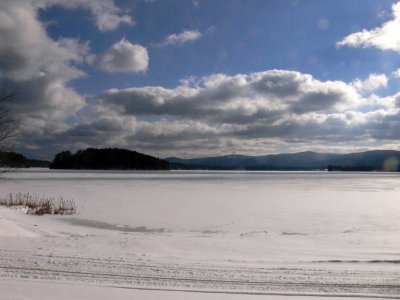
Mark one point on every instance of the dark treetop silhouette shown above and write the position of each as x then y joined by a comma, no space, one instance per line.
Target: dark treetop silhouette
107,159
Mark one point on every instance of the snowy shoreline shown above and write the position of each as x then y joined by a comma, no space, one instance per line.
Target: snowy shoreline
40,252
240,235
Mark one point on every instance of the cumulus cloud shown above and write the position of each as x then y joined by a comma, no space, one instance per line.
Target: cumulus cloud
27,52
396,73
37,67
251,113
106,14
124,56
271,111
385,37
241,98
372,83
182,38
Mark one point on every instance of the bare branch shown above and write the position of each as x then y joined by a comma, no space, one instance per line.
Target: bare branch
8,126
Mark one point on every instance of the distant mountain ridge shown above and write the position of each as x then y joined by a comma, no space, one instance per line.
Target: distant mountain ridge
376,160
91,158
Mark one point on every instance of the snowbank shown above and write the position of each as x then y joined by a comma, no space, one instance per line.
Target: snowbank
43,258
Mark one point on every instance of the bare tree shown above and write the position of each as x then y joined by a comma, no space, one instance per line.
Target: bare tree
8,125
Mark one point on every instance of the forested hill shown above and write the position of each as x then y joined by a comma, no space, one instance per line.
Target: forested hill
107,159
16,160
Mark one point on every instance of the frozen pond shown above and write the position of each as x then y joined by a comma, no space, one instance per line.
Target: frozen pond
304,233
277,202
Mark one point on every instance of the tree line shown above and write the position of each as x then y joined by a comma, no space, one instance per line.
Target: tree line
107,159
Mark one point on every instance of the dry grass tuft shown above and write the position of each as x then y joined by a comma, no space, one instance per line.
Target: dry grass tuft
40,205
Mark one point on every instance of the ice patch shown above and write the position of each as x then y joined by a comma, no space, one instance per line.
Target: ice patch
373,261
211,231
108,226
293,233
254,233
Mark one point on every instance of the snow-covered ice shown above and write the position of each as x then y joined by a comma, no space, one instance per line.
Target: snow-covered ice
247,233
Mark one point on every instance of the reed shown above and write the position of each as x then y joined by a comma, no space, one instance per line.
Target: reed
40,204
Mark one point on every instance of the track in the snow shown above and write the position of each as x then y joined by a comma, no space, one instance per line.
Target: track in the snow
235,280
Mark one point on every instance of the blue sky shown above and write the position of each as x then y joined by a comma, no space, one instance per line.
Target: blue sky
238,37
206,77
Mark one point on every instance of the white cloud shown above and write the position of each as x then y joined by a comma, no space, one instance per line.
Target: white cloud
107,16
242,98
27,52
40,69
124,57
37,67
372,83
252,113
385,37
182,38
396,73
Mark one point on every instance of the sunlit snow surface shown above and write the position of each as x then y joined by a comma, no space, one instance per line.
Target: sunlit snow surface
307,232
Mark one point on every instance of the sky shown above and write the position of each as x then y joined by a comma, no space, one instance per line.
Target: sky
192,78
